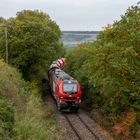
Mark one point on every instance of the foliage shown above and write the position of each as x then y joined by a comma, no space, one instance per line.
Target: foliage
2,37
110,66
37,122
11,84
136,126
22,114
33,40
6,118
10,88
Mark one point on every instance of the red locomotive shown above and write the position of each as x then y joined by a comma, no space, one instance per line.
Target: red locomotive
65,89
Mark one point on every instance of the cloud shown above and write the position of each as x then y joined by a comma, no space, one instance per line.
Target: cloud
72,14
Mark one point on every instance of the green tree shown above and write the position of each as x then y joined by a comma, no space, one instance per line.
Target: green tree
111,65
2,43
33,40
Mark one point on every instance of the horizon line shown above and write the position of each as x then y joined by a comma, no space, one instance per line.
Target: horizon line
80,30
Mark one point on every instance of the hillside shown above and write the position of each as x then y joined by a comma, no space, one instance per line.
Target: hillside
71,38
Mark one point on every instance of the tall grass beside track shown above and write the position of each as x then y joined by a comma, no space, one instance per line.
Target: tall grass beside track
22,113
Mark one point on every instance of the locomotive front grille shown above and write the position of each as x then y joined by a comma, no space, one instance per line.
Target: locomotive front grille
70,98
70,93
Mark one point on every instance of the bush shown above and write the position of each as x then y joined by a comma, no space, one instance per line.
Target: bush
6,118
136,126
108,69
36,122
22,114
111,64
10,80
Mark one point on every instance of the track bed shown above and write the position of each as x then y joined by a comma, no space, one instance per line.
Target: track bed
76,126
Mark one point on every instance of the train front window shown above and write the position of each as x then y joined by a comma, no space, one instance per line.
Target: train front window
72,88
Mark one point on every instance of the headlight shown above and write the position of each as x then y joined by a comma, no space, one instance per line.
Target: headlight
78,102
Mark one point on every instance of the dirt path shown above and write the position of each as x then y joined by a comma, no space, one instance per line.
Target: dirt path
76,126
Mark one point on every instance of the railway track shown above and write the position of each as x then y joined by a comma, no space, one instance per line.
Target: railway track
76,126
75,131
83,132
94,135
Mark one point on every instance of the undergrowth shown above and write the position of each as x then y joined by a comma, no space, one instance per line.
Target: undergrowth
23,115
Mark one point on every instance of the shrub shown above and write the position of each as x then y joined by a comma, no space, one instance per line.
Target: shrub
111,64
22,114
36,122
6,118
108,68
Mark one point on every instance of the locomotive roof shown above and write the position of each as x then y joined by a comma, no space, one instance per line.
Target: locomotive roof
61,74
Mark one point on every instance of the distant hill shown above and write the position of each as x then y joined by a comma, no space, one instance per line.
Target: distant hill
71,38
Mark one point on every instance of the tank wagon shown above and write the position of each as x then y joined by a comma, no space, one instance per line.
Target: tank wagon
65,89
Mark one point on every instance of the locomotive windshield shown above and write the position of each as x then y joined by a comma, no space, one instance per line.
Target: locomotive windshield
70,88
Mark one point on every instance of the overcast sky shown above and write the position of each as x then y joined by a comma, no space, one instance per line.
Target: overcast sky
72,14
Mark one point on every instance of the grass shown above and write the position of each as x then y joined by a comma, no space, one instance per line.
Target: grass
23,116
36,123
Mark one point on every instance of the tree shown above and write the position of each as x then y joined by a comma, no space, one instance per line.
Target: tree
112,64
33,42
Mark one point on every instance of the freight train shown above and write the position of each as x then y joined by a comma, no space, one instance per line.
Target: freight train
65,89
